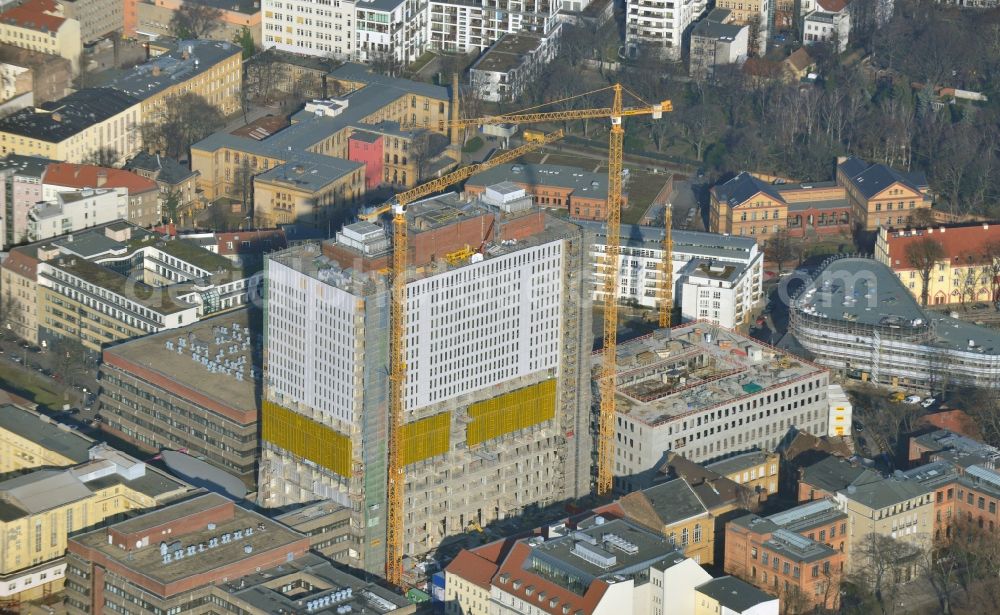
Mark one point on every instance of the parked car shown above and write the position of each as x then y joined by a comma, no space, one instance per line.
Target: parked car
913,399
927,403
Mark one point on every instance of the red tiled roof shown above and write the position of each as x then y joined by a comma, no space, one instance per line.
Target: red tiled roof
513,566
22,264
958,242
832,6
85,176
473,568
34,14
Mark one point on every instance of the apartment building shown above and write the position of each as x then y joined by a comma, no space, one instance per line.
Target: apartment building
66,482
74,211
583,194
756,15
856,316
21,178
716,42
191,388
309,28
511,64
660,26
826,476
172,177
390,31
152,19
880,195
19,282
707,393
798,554
117,281
75,127
746,205
41,25
716,278
97,18
472,27
139,195
321,416
964,273
824,27
319,138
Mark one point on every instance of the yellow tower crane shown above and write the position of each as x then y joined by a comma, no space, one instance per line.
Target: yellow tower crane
397,345
667,291
605,431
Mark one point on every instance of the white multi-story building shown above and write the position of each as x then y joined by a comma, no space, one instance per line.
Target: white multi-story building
310,27
825,27
462,26
716,278
390,30
707,393
74,211
503,72
496,398
659,25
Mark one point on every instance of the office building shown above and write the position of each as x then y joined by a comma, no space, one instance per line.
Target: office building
174,558
192,388
706,392
496,403
74,211
97,18
716,278
455,26
660,26
512,64
300,27
856,316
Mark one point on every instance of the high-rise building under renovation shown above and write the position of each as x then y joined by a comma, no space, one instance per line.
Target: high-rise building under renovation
497,391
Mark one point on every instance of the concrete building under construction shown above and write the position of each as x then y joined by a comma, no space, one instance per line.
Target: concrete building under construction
497,391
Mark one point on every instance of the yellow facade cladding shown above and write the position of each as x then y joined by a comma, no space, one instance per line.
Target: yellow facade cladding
306,438
511,412
426,438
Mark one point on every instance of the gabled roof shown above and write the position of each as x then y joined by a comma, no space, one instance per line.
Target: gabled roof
833,474
34,15
86,175
832,6
871,179
663,504
800,59
167,170
744,187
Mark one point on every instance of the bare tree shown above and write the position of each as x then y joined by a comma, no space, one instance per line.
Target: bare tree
179,123
194,20
884,561
103,157
923,255
242,185
940,570
779,248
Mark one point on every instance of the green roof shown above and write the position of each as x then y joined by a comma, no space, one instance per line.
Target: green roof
752,387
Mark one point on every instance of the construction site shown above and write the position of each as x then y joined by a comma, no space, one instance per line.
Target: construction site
478,311
708,392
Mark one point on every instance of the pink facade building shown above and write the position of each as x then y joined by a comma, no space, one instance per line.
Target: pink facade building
367,147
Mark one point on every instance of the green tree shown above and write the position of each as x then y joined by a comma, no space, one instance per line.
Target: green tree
244,38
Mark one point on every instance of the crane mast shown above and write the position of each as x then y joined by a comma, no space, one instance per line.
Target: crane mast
396,477
667,291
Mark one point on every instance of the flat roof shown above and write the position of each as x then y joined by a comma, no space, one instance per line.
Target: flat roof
170,355
583,183
712,245
189,59
674,372
734,593
267,536
308,171
59,120
706,28
864,291
48,435
508,52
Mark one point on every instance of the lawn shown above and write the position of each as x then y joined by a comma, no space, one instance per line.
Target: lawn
40,390
642,188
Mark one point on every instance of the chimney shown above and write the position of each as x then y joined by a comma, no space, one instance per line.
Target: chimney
184,54
942,229
986,226
57,117
102,178
156,70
